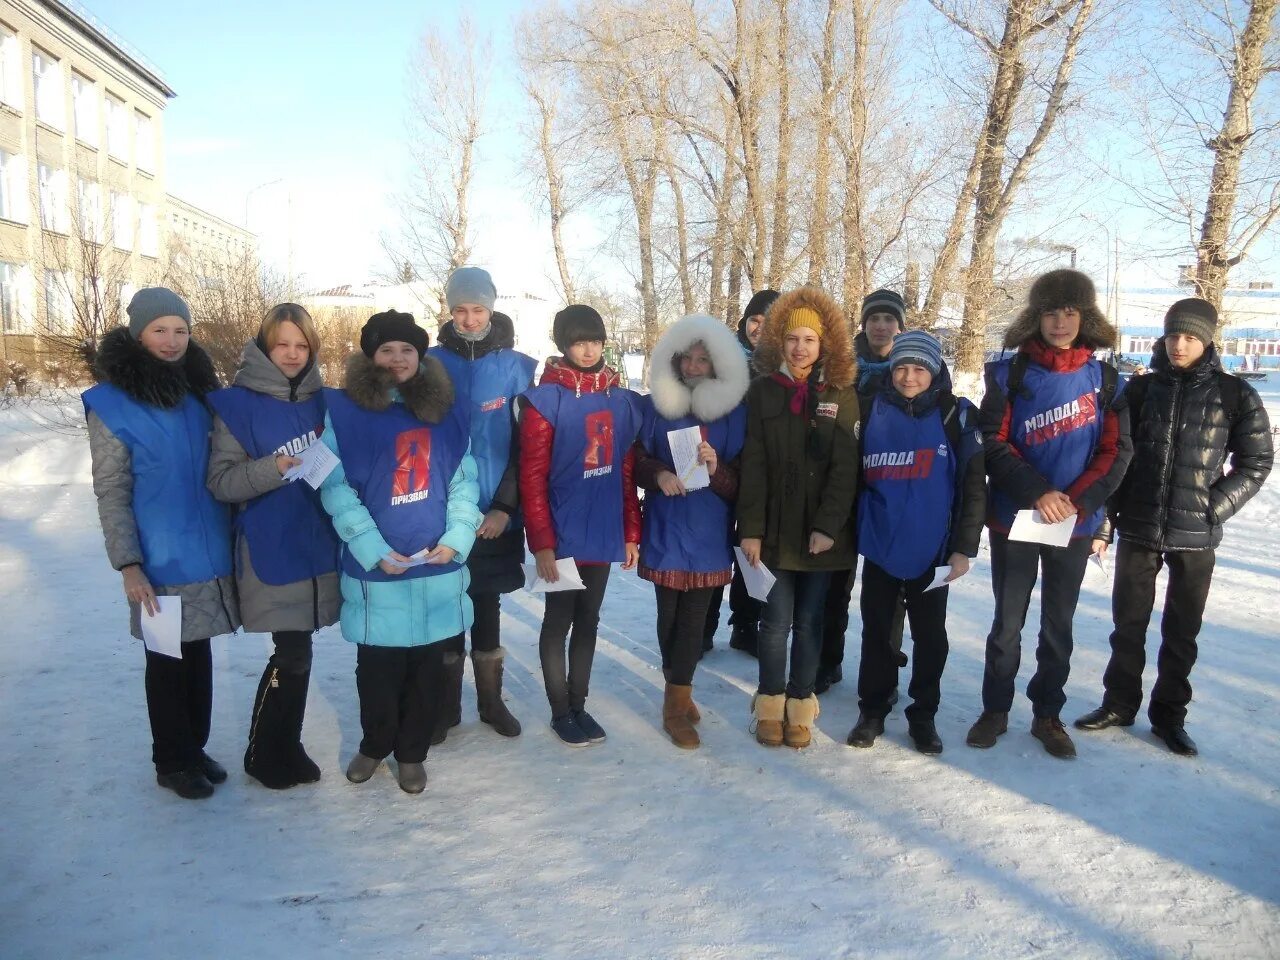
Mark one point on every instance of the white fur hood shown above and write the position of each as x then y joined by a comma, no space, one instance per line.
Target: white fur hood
715,397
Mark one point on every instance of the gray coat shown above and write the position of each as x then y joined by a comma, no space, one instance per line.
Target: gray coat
235,478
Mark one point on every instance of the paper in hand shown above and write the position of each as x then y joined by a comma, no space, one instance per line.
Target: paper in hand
940,575
684,456
758,580
1030,527
317,463
570,579
1099,560
163,632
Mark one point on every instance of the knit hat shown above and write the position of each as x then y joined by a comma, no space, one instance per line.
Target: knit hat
575,323
758,305
916,346
152,303
885,301
392,326
470,285
803,317
1192,316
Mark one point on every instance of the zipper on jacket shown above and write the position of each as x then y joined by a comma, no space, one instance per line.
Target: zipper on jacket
1168,467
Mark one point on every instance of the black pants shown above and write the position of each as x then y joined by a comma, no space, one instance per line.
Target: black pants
484,631
681,616
400,692
579,610
179,705
712,619
882,596
293,651
744,609
1132,600
835,620
1015,566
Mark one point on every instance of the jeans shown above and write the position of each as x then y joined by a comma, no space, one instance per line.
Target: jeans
579,609
794,607
179,705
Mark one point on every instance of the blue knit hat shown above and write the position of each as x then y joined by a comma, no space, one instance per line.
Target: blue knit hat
916,346
152,303
470,285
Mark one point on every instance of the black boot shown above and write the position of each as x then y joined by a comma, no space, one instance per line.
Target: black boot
826,677
745,637
487,667
190,784
451,702
1176,739
275,756
924,734
865,731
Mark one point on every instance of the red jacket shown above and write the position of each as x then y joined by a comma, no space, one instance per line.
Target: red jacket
536,438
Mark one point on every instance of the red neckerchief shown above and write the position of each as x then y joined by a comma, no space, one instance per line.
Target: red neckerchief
1058,360
799,390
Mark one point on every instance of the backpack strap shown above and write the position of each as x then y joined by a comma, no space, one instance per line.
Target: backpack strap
1110,383
1017,370
949,407
1232,395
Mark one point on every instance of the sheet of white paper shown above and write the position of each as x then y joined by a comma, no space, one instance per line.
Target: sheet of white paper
684,455
163,632
1099,560
940,575
317,463
758,580
1030,527
416,559
570,579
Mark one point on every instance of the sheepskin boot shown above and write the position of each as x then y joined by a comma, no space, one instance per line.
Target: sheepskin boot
694,714
487,667
675,716
797,731
451,697
769,711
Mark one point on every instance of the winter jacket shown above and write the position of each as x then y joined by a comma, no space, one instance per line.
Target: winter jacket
149,444
575,428
1176,495
1052,435
487,375
920,499
281,524
873,370
687,541
800,470
408,474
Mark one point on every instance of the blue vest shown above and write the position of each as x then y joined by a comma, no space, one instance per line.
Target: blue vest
909,477
593,433
184,532
483,389
693,533
290,536
400,468
1055,425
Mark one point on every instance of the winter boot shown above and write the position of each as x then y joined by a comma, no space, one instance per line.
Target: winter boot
1051,732
269,756
924,734
487,667
675,716
213,771
745,637
865,731
694,714
797,731
986,728
769,711
361,768
189,784
451,697
413,777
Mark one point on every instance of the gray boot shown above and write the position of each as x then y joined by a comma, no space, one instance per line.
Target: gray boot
451,697
487,667
413,777
361,768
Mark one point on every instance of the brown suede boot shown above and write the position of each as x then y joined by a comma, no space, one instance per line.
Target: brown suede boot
769,711
694,715
675,717
797,731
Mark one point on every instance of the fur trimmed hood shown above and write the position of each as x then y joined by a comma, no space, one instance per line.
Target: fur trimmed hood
714,397
125,363
838,364
428,393
1056,289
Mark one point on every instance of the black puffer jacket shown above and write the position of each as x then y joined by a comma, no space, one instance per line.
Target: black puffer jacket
1175,495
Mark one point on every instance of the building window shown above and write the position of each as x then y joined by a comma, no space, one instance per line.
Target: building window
146,142
53,198
117,129
148,230
89,210
13,311
13,187
57,301
47,73
122,220
84,97
10,69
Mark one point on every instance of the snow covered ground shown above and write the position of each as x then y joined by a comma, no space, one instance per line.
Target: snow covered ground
633,848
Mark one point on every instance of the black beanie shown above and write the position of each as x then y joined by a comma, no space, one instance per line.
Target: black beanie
759,304
389,326
575,323
885,301
1192,316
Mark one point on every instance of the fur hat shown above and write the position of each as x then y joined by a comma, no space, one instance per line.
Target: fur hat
1192,316
391,326
715,396
575,323
1053,291
885,301
839,366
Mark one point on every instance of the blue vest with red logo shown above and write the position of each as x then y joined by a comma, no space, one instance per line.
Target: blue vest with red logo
185,534
909,477
692,533
290,536
1055,425
593,433
400,468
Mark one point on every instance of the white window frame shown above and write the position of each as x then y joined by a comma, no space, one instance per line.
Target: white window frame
117,128
148,230
87,109
58,308
50,94
123,223
15,316
144,141
89,209
54,211
14,203
10,68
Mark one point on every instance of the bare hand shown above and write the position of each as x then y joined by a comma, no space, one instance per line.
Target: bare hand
1100,548
633,556
959,565
494,525
138,589
751,550
546,562
285,464
820,542
1055,506
707,455
394,563
440,554
670,484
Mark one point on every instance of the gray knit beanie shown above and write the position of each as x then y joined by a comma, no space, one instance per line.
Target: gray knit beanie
470,285
885,301
916,346
1192,316
151,303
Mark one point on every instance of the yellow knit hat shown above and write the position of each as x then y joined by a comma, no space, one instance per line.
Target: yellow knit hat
803,317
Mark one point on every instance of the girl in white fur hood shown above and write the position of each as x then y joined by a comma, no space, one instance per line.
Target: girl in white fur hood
698,378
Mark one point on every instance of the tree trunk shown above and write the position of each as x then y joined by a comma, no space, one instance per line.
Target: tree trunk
722,239
818,224
782,162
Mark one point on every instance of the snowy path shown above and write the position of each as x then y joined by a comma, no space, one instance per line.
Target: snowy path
633,848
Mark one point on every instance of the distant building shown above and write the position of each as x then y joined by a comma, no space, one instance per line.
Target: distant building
1251,322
